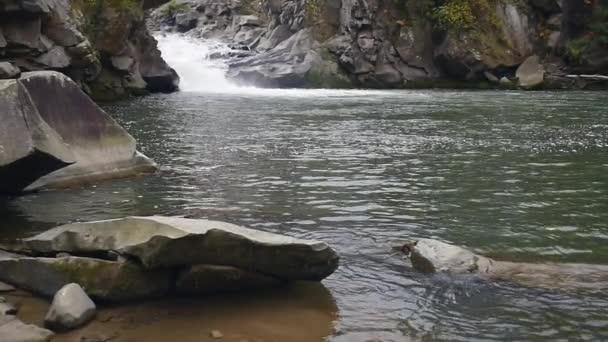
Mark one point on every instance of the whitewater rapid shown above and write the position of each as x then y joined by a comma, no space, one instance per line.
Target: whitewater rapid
199,72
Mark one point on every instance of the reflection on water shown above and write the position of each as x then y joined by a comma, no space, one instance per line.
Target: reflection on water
303,312
511,174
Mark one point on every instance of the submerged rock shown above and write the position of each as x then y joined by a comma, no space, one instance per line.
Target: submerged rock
13,330
431,256
164,242
102,279
202,279
71,308
48,124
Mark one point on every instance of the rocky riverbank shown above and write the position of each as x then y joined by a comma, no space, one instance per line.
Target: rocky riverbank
103,46
148,257
400,44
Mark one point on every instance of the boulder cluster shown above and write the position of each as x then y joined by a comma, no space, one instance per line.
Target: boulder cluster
103,46
396,44
137,258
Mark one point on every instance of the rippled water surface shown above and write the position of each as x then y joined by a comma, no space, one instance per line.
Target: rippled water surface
520,176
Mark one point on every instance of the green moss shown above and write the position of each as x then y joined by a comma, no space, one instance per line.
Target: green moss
172,8
315,16
454,15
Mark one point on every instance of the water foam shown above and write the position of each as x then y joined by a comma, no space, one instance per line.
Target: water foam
198,72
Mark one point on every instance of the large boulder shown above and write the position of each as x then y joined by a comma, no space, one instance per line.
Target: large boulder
165,242
530,73
70,309
80,38
29,147
112,281
13,330
49,123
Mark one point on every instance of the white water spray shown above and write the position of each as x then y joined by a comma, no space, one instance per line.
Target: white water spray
198,72
191,59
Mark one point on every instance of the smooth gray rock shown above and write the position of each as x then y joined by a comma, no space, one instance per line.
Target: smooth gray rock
9,70
122,63
70,309
102,279
504,81
209,279
91,141
164,242
31,148
530,73
13,330
247,20
55,58
433,256
6,287
430,256
7,309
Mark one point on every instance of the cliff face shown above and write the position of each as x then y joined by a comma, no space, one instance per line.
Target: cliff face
103,45
398,43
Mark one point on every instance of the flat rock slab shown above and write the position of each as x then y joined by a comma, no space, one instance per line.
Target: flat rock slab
13,330
166,242
104,280
207,279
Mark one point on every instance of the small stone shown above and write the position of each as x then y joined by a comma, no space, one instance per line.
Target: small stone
9,70
63,255
6,287
71,308
216,334
7,309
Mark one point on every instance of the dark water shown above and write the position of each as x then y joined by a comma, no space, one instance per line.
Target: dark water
521,176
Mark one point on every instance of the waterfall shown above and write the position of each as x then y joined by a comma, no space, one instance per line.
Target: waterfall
191,59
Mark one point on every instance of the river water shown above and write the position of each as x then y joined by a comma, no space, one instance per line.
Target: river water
516,175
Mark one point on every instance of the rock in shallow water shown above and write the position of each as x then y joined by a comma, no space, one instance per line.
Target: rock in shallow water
151,255
164,242
54,135
71,308
430,256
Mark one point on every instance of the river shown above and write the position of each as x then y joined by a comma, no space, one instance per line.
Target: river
511,174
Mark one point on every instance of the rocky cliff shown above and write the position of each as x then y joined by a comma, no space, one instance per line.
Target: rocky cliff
401,43
103,45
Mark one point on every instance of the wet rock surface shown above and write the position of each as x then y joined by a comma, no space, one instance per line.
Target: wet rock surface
433,256
54,135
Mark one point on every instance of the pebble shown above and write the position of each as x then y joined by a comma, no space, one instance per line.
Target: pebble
6,287
216,334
